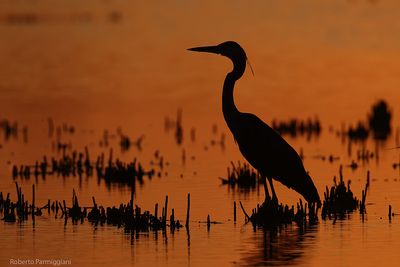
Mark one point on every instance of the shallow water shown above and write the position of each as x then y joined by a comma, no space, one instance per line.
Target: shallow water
82,66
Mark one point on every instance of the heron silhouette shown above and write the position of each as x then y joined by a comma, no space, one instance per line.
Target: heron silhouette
262,146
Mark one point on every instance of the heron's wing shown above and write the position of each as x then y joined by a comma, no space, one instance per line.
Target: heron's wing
267,151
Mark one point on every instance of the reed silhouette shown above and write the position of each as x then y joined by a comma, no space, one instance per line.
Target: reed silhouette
339,200
297,127
262,147
78,164
127,215
242,176
378,123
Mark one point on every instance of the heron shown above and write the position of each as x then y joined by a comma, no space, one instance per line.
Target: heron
264,148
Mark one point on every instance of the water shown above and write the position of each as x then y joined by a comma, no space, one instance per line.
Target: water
113,64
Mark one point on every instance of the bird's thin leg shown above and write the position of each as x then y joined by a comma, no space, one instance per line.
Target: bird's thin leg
267,197
274,197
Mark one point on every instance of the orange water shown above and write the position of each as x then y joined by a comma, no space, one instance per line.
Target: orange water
77,65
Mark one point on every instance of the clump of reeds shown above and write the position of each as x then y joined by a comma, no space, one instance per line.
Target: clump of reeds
360,132
295,127
271,214
79,164
129,216
340,200
242,176
20,210
379,119
378,123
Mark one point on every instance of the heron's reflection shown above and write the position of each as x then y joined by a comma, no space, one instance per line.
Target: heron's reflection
279,247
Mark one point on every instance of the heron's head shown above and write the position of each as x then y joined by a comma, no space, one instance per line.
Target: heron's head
229,49
309,191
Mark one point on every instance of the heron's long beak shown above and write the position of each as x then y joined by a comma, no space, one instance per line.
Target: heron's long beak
208,49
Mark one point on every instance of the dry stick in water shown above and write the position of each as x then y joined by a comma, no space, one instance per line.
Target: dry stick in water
33,202
187,212
65,209
390,213
245,213
94,203
234,211
131,202
22,205
165,210
364,195
172,219
19,197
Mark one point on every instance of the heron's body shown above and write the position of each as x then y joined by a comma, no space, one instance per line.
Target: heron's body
262,147
270,154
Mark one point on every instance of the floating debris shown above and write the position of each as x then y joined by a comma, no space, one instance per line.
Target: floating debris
396,165
125,142
353,165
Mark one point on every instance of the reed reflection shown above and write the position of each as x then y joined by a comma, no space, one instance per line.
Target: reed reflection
280,246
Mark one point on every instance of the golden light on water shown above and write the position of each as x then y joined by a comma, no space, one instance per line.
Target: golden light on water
117,64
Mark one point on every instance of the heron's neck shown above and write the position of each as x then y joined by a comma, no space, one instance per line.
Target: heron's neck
229,109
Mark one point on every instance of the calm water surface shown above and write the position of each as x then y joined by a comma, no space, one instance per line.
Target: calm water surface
118,64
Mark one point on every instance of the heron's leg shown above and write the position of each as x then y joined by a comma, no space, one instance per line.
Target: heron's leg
267,197
274,197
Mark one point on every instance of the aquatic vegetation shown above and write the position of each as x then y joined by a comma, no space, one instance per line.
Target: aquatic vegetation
170,124
379,120
360,132
271,214
297,127
128,216
242,176
12,130
340,200
79,164
330,158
